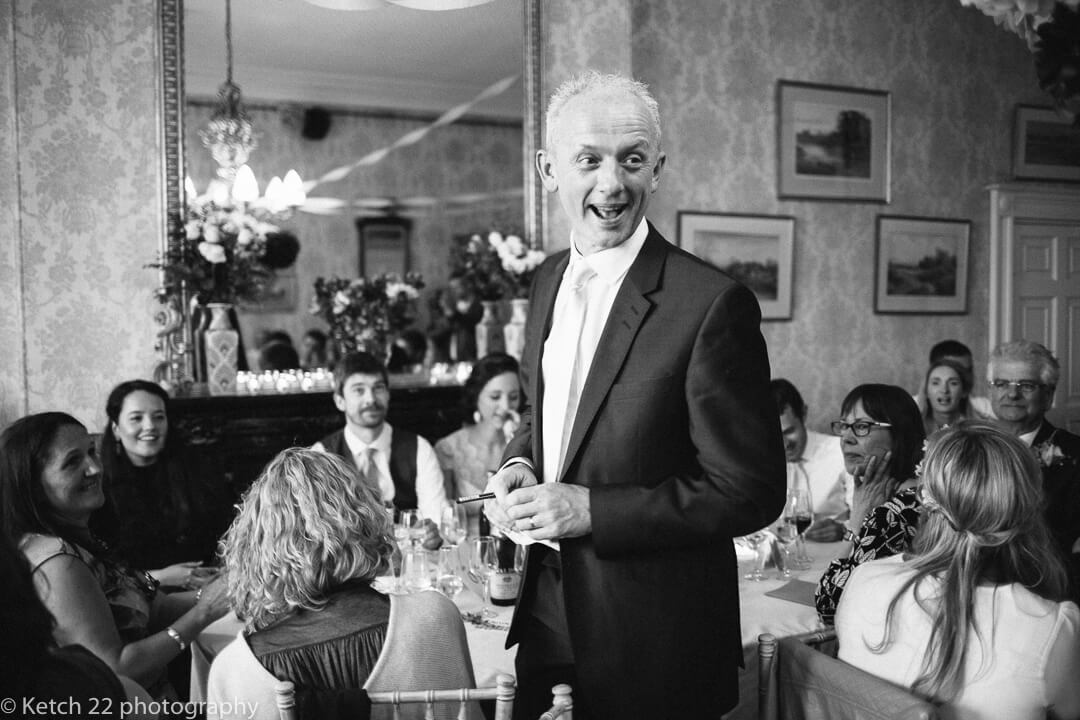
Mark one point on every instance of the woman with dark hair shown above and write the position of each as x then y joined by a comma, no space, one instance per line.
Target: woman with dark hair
50,484
881,435
165,508
946,389
34,666
492,399
974,618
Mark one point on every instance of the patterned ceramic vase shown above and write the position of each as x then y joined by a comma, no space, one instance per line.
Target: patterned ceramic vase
514,331
489,331
220,344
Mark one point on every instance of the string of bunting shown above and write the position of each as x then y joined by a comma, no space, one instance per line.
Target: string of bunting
415,136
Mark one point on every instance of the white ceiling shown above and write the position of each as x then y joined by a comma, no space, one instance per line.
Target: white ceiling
391,57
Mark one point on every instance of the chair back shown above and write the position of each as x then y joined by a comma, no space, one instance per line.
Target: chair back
798,682
503,695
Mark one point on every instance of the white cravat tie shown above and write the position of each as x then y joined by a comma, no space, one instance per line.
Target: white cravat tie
568,354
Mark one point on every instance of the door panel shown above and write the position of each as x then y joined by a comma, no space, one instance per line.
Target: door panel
1046,303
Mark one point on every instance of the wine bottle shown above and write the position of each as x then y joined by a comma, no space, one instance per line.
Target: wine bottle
503,584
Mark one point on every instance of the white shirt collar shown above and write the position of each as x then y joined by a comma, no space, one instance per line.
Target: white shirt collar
1029,437
613,263
382,442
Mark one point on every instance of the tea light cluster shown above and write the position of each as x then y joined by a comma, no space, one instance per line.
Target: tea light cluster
276,382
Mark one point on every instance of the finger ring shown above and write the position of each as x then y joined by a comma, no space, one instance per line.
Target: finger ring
532,522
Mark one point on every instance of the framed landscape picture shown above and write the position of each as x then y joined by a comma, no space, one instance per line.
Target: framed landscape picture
921,265
757,250
834,142
1046,146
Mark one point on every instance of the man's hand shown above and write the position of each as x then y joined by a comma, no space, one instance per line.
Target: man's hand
431,540
824,531
502,483
550,511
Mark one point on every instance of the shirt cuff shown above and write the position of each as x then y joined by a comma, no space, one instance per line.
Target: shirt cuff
517,460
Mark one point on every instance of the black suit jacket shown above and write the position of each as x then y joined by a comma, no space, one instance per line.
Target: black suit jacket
677,438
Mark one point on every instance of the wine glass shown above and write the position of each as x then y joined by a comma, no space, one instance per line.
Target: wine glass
786,536
448,582
454,526
483,563
755,541
798,512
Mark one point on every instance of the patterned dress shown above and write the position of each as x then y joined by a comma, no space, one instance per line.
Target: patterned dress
130,593
887,530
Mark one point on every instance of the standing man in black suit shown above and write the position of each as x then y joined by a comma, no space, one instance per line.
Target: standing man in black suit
651,440
1023,376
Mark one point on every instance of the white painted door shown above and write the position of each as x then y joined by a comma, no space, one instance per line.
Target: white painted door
1046,304
1035,279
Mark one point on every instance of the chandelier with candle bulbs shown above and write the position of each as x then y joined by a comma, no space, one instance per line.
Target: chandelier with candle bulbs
230,138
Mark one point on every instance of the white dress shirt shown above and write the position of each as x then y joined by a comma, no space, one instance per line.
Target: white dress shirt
430,491
610,266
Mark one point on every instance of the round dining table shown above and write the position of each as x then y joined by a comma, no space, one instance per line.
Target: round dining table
779,605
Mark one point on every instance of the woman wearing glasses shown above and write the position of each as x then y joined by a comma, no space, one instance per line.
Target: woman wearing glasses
974,617
881,436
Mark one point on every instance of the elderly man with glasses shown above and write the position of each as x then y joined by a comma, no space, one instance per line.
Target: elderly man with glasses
1023,376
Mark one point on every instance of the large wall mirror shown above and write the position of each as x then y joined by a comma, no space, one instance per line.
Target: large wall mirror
326,87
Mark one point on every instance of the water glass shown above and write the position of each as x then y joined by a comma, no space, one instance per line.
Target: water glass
411,526
786,536
757,543
415,570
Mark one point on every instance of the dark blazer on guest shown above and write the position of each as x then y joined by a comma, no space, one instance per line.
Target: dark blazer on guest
676,436
1061,484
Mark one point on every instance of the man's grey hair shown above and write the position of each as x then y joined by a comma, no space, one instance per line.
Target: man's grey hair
594,80
1029,352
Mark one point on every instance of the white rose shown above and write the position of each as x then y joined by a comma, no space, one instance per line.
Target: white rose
341,302
211,234
244,237
213,252
193,230
517,247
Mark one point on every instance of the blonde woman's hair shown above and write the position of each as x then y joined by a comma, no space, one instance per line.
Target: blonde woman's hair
305,526
982,522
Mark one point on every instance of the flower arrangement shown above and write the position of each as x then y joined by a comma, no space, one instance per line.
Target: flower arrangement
229,254
519,262
1050,28
364,313
496,267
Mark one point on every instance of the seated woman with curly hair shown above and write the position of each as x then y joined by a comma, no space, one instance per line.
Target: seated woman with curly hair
976,616
300,559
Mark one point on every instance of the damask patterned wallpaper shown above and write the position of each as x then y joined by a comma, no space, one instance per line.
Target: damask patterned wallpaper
79,205
79,192
470,157
955,79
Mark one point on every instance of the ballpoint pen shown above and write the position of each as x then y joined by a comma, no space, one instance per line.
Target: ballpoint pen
474,498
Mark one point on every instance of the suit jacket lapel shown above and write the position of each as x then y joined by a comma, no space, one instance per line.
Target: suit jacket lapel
627,313
543,307
1046,431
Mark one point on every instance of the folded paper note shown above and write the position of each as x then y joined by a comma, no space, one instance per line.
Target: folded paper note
797,591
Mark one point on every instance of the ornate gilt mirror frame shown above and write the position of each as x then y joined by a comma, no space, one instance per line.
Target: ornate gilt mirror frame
175,368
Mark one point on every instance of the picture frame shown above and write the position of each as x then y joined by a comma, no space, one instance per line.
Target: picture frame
757,250
383,245
921,265
1046,146
834,142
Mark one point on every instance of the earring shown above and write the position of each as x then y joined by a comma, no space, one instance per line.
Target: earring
476,417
